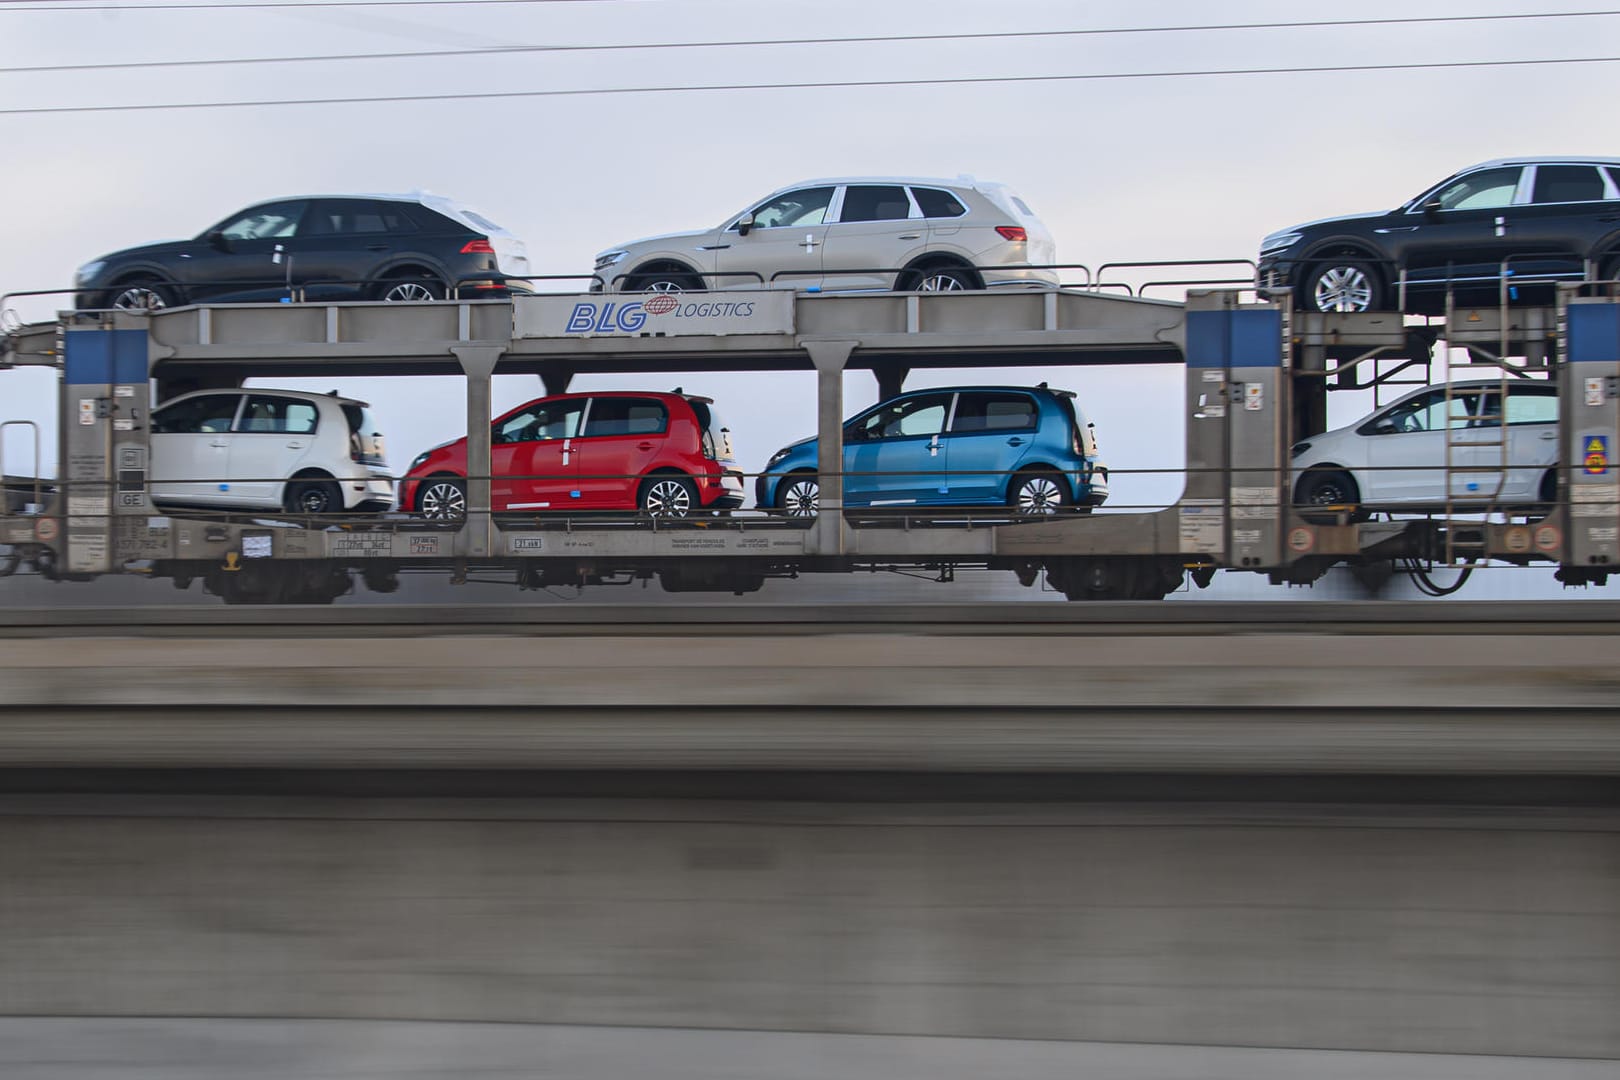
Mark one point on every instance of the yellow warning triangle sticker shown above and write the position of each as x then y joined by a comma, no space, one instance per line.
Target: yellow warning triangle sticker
1595,446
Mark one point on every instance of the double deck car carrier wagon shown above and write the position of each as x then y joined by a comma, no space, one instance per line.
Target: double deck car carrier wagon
1257,378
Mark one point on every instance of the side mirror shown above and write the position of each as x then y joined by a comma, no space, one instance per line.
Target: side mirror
1386,426
1433,207
745,223
220,242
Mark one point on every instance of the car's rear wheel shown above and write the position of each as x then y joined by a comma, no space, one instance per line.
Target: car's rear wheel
938,279
667,495
142,293
313,497
1325,488
1037,494
411,290
442,498
799,495
1342,284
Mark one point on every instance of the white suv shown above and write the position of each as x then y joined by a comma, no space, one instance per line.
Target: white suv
269,450
853,234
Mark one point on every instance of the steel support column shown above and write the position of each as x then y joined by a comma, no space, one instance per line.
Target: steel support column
478,363
830,358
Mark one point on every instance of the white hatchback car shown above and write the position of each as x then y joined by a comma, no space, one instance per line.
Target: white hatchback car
268,450
1395,458
852,234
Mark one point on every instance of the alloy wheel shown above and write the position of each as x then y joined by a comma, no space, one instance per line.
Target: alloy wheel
941,281
668,498
1343,288
801,498
139,298
408,291
443,500
1039,495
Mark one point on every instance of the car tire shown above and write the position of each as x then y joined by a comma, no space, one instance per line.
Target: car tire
938,279
442,498
667,495
1343,284
664,281
312,497
412,289
1038,493
799,495
145,292
1327,487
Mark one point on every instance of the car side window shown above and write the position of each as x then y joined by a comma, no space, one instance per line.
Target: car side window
1483,190
990,412
266,414
211,414
875,202
1538,408
627,416
924,415
807,206
550,420
1567,184
356,217
935,203
1427,413
271,222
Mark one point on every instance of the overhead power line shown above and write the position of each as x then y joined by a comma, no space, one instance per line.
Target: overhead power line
90,5
493,95
764,42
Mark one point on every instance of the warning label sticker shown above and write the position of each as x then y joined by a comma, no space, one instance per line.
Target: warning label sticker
1595,455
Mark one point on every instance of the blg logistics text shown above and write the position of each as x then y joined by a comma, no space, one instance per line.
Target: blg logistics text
609,317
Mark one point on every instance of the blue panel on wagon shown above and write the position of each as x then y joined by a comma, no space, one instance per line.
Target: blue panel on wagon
95,357
1594,333
1242,338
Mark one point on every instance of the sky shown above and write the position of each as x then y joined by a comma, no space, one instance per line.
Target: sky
1189,167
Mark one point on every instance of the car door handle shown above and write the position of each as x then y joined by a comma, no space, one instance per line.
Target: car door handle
295,446
713,247
1549,434
1015,441
644,446
221,445
1400,228
376,247
911,236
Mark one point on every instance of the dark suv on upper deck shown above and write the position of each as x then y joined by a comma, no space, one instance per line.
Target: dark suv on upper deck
1543,219
338,247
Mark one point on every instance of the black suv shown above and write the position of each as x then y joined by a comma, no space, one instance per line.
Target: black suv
1546,219
344,247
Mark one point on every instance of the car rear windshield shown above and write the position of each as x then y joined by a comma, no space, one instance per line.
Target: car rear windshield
716,436
360,421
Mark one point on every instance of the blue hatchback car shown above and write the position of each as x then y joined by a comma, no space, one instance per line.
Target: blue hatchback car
1028,448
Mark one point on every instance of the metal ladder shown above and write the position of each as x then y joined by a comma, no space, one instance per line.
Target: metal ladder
1476,453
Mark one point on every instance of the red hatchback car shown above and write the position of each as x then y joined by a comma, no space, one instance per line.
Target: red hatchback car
662,454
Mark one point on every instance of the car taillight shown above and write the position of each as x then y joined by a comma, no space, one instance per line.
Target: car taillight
355,451
708,445
1012,232
483,247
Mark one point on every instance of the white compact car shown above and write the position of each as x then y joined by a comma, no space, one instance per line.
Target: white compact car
853,234
1395,459
268,450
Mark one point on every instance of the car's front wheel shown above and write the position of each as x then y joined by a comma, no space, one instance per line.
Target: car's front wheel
1342,285
799,495
667,496
664,281
442,498
143,293
1322,488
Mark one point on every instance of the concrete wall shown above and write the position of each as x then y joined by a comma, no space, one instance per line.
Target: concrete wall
1367,929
